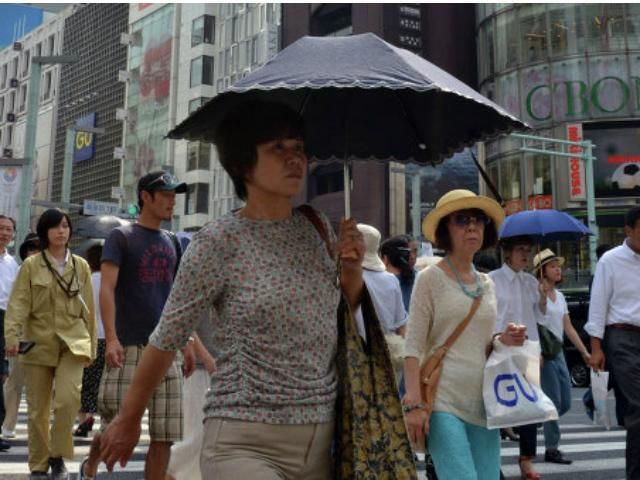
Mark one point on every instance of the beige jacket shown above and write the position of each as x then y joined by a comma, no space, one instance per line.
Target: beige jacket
39,311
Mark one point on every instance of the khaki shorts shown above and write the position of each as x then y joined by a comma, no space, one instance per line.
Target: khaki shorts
239,449
165,407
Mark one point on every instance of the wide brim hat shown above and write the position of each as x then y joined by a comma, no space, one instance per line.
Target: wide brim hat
456,200
371,237
545,256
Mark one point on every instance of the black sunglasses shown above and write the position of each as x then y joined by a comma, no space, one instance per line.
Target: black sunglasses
464,219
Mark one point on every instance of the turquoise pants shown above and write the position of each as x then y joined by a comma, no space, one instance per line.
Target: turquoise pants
461,450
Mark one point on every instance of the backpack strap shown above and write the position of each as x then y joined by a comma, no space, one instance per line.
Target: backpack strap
177,248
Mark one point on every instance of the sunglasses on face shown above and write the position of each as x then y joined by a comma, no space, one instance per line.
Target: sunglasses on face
464,219
165,178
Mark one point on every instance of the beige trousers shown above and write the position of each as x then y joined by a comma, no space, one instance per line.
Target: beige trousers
12,393
237,449
66,378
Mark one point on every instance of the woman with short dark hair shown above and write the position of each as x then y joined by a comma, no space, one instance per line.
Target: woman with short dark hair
461,446
266,272
52,306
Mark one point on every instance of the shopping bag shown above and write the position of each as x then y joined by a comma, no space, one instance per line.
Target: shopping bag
600,391
511,387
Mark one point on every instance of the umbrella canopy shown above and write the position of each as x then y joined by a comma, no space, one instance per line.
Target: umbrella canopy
363,98
98,226
543,226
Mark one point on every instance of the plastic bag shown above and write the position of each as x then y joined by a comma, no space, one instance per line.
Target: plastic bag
511,387
600,391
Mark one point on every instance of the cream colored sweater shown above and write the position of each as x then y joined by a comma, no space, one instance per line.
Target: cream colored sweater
438,305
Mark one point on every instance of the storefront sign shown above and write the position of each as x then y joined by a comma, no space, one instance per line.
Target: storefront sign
84,142
10,179
513,206
577,182
540,202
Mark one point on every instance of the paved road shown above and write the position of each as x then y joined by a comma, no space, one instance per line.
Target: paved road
598,454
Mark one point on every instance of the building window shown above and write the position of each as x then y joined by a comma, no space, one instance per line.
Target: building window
410,24
25,63
203,30
411,41
52,44
197,200
567,29
196,103
507,33
23,98
605,27
198,155
533,28
410,11
14,68
3,76
46,86
1,109
38,50
326,179
9,137
202,71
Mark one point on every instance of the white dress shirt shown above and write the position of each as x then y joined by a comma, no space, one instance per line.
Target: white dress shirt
8,273
615,294
386,295
518,296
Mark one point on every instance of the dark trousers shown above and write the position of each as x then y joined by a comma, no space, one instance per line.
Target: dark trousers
528,439
3,368
622,352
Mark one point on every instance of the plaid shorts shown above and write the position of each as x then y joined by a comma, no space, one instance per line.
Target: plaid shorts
165,407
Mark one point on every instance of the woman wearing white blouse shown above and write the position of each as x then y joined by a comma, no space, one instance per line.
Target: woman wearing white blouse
555,375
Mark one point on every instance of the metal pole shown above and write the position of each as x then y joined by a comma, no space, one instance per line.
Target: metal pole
26,190
587,157
416,203
347,189
68,165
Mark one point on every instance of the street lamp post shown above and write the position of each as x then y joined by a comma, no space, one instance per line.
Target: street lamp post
33,105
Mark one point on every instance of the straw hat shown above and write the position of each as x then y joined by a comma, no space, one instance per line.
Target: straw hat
544,257
460,200
371,260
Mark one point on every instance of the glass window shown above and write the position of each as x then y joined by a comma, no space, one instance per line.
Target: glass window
487,51
26,63
196,103
510,181
605,27
533,28
38,50
203,30
507,33
197,200
567,29
52,44
198,155
507,94
536,94
46,86
609,94
633,25
1,109
3,75
14,68
23,98
570,89
539,179
201,71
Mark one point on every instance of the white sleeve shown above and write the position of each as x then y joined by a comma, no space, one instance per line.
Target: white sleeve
598,304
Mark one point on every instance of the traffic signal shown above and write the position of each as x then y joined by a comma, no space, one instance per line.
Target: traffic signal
132,210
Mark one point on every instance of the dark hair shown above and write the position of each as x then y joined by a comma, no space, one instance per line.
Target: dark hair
485,262
93,256
48,220
243,129
31,242
509,243
632,216
443,239
12,220
396,249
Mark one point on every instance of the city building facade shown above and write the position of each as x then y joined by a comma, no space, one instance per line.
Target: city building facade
15,73
381,193
179,57
572,72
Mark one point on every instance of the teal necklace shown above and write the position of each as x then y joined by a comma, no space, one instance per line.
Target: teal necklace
475,293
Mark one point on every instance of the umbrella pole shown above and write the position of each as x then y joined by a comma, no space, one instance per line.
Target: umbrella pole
347,189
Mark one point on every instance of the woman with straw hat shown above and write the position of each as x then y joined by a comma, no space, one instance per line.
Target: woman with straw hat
460,444
556,384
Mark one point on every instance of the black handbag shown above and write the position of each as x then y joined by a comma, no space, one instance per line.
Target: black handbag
549,343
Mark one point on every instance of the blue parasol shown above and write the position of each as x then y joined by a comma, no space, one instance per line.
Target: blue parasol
543,226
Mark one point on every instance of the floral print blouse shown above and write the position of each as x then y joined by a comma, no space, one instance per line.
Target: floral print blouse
272,286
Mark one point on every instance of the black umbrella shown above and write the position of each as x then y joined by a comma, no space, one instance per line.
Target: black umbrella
362,98
98,226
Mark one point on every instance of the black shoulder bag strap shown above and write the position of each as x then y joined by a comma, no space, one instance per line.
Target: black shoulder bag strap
178,249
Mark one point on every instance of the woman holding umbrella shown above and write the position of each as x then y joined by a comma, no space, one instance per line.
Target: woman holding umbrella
547,267
266,272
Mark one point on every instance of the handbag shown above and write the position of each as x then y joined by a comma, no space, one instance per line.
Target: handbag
549,343
431,369
371,441
511,387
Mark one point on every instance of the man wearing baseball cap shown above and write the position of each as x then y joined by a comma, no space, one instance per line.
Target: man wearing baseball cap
139,262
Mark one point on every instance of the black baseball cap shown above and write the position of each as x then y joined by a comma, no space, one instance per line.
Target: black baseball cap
31,242
161,181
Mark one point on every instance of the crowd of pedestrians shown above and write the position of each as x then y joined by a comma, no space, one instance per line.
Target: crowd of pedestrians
230,344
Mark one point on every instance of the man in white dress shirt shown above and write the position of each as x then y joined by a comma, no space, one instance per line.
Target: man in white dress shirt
8,272
614,327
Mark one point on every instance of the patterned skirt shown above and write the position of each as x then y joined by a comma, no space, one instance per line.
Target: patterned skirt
91,381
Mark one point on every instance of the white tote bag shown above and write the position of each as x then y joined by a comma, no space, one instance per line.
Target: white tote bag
511,388
600,392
